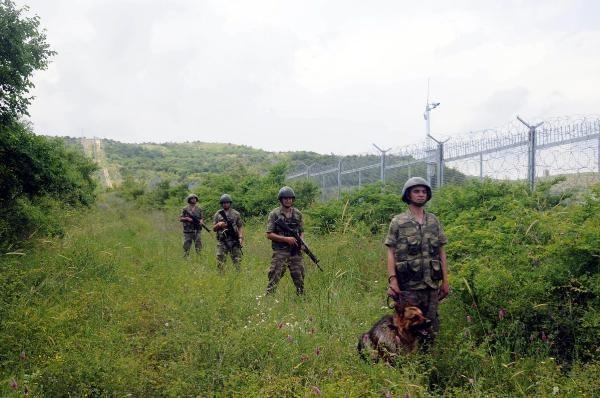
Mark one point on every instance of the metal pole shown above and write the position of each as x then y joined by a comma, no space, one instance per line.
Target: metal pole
360,177
480,166
531,149
599,155
339,179
323,188
383,153
440,172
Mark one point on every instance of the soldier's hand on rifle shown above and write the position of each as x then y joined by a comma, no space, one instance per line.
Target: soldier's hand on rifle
291,241
187,219
221,224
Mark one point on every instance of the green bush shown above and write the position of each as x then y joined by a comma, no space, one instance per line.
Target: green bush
39,178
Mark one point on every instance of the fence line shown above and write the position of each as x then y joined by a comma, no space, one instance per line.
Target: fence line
560,146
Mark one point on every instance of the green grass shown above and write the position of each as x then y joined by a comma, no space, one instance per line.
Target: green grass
111,309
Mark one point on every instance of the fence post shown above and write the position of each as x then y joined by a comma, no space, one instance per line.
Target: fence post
360,178
440,164
480,166
339,179
323,188
598,155
531,149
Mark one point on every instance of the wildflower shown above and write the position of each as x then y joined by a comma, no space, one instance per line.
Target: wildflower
474,305
13,384
316,390
469,318
303,358
167,324
471,380
318,351
388,395
501,313
555,390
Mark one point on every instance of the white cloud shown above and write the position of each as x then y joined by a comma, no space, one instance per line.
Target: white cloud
327,76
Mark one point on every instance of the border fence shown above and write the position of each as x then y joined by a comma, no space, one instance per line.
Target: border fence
565,146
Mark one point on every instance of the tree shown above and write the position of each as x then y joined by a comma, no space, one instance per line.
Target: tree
23,49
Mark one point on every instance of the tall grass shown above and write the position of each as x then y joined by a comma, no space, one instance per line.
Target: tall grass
112,309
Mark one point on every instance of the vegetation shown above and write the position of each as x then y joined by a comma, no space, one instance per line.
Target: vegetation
112,309
40,178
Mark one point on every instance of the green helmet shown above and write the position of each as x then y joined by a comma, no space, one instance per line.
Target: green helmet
286,192
190,196
225,198
413,182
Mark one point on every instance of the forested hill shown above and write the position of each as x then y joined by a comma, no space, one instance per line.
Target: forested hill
185,162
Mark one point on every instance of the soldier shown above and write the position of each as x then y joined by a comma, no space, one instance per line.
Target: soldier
416,260
285,247
192,219
228,241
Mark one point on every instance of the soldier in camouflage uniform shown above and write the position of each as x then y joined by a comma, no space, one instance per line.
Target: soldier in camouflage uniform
285,247
416,260
191,227
226,241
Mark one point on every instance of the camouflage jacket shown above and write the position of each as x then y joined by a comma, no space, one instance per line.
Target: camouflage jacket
295,222
417,250
185,212
235,218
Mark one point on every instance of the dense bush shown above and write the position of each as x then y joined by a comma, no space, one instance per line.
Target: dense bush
39,178
526,266
254,195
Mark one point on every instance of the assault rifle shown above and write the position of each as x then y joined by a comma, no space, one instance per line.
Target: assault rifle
195,221
231,231
284,227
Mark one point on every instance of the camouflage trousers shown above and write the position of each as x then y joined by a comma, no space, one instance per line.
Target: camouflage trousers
427,300
280,259
224,248
188,239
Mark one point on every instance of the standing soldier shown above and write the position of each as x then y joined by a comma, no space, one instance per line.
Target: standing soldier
285,247
192,219
228,225
416,260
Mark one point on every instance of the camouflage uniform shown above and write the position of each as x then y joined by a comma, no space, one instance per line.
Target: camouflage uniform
418,263
191,233
283,253
227,244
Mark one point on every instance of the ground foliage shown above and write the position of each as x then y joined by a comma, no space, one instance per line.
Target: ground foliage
40,180
111,309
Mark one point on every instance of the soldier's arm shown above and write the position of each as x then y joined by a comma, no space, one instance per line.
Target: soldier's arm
394,285
445,288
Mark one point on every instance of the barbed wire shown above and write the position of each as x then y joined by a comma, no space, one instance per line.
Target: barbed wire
567,146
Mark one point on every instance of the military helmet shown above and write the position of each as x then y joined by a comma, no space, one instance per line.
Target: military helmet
413,182
286,192
190,196
225,198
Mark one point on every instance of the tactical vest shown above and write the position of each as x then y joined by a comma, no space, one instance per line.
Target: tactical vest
293,223
224,234
418,262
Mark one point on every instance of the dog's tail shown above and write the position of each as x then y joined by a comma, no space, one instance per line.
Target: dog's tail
364,343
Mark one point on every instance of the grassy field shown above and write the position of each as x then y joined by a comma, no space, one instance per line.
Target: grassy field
112,309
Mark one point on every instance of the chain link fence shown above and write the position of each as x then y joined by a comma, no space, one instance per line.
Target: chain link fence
565,146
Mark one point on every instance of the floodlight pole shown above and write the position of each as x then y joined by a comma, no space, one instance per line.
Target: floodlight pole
531,149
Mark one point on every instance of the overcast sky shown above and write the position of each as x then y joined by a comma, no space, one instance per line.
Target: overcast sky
328,76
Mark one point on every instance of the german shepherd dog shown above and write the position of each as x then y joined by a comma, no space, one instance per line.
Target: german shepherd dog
395,334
